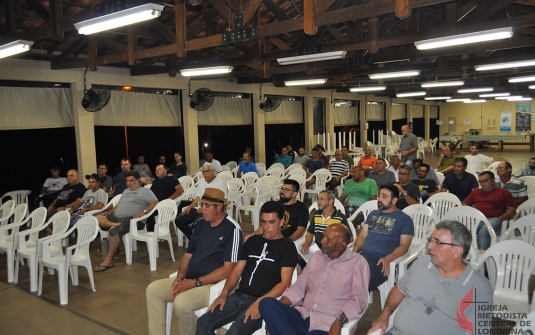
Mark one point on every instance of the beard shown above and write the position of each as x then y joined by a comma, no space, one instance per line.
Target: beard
284,199
383,207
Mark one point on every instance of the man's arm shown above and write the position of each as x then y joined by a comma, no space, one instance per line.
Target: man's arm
361,238
178,191
439,163
394,299
308,241
147,210
98,205
404,245
213,277
75,205
342,198
521,200
511,211
373,197
44,190
232,280
297,233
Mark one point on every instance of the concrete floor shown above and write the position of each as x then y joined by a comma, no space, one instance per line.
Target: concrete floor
118,305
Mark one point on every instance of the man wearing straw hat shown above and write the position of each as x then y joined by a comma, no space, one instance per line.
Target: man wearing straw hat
212,252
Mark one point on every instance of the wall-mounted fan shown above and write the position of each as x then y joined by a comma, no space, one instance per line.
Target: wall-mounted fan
201,99
95,99
270,104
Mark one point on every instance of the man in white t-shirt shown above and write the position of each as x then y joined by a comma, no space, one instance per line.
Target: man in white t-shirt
476,160
49,191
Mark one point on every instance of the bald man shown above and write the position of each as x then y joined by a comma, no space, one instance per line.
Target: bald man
69,194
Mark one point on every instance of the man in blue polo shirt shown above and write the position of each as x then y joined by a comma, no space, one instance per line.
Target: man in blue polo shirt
284,158
246,165
459,182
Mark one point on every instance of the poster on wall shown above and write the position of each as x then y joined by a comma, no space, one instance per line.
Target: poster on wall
523,122
525,109
506,122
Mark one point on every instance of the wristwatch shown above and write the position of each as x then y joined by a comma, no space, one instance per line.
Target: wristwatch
198,282
405,193
342,320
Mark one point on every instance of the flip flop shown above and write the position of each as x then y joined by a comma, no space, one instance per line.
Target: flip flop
104,268
115,230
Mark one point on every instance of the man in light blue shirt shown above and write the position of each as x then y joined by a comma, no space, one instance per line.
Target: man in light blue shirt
246,165
284,158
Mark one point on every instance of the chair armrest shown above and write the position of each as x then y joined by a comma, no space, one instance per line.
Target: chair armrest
95,211
215,291
43,244
20,237
12,226
133,222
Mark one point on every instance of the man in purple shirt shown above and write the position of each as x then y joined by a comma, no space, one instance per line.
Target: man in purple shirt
315,304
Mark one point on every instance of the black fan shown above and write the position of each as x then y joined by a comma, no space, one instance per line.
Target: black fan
270,104
95,99
201,99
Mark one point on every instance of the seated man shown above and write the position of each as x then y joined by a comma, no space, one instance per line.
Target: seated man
439,290
427,187
385,236
250,152
367,161
120,178
358,190
409,194
69,195
246,165
142,168
51,187
105,181
212,252
530,171
339,169
179,168
430,175
446,160
381,175
265,267
291,152
135,202
312,165
209,158
93,199
321,156
476,160
301,158
395,163
518,189
162,160
497,204
284,158
346,157
460,182
314,305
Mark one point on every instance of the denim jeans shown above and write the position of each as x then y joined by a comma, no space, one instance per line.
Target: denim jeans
234,311
282,319
483,236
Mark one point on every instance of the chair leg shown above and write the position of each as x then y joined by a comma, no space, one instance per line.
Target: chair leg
127,248
32,264
10,265
168,238
63,280
73,270
168,318
152,246
16,274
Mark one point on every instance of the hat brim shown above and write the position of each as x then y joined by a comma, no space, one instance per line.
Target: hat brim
223,202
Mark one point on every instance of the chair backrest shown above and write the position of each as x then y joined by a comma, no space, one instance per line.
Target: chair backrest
167,211
526,228
7,209
86,231
114,201
186,182
147,186
60,222
235,186
442,202
423,217
260,165
472,172
249,179
273,180
337,204
526,208
231,165
197,177
322,177
225,176
366,208
293,167
492,167
19,212
530,184
275,171
276,165
528,323
225,168
261,171
37,217
440,177
262,189
300,172
471,218
189,195
20,196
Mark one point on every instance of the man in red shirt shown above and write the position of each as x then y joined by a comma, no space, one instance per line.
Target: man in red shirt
497,204
368,161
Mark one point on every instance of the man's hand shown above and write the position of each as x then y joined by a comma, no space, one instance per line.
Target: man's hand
252,312
336,328
138,215
398,186
105,213
304,249
82,211
379,323
174,287
182,286
386,266
221,301
59,209
186,211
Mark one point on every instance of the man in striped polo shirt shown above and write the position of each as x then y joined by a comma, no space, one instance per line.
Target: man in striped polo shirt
511,183
339,168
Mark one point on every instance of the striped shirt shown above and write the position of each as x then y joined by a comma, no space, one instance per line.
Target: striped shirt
318,224
338,167
516,186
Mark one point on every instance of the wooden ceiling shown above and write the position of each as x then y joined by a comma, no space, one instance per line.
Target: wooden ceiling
378,35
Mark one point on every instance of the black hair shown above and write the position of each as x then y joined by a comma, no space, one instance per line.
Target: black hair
273,207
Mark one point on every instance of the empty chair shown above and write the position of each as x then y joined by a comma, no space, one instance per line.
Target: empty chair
6,211
276,165
232,165
7,244
421,149
235,187
189,195
225,176
323,176
249,179
225,168
276,182
526,208
433,144
525,227
263,191
530,184
260,165
300,172
472,172
167,210
442,202
389,152
440,177
20,196
276,172
294,166
186,182
75,255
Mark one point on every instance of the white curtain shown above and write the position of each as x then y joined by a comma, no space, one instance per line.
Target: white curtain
227,112
399,111
140,109
289,111
433,113
375,111
35,108
344,116
417,111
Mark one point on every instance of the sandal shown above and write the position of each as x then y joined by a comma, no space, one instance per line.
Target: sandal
115,229
102,268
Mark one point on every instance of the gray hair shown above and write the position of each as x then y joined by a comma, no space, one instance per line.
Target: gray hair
208,166
330,195
460,235
405,167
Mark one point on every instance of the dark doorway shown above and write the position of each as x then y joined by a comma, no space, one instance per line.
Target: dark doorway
418,126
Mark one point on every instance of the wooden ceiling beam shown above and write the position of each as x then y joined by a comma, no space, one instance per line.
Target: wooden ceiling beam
322,6
40,9
92,54
10,17
249,11
70,5
484,12
403,10
309,22
109,43
276,10
80,43
296,6
373,31
132,44
222,9
180,28
337,34
56,14
279,43
163,30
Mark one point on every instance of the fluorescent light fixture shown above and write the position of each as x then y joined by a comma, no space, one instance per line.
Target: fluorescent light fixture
480,36
367,88
475,101
476,90
519,99
437,98
312,57
506,65
494,95
204,71
386,75
509,97
521,79
14,48
411,94
305,82
458,100
532,87
443,84
118,19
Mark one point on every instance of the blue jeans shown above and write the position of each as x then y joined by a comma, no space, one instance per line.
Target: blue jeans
483,236
234,311
282,319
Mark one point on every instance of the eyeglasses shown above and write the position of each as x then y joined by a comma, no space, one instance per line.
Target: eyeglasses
420,170
206,171
322,199
286,189
207,205
484,181
439,243
404,173
500,168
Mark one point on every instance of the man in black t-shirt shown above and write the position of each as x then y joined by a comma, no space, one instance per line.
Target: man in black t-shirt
265,267
68,195
427,187
295,212
213,250
409,194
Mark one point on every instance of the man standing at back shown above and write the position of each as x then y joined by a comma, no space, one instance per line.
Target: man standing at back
460,182
381,175
408,146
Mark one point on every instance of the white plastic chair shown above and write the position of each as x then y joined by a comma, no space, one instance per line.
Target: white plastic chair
389,152
276,183
235,187
260,165
433,144
6,211
509,265
189,195
525,226
442,202
225,176
302,184
20,196
249,179
276,172
527,324
276,165
113,202
232,165
366,208
300,172
440,177
225,168
421,149
472,172
323,176
147,186
75,255
261,171
7,243
530,184
186,182
167,210
337,204
197,176
292,167
263,191
27,248
493,168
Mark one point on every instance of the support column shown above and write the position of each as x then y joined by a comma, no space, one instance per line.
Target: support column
84,127
388,118
329,122
309,122
259,126
427,120
362,121
191,135
409,112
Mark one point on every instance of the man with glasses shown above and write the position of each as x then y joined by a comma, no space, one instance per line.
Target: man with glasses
459,183
438,292
339,169
409,193
295,212
497,204
395,163
191,213
427,187
212,252
385,236
381,175
511,183
106,182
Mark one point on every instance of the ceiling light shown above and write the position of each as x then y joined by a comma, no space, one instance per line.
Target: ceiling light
519,99
411,94
475,101
386,75
367,88
480,36
14,48
507,65
521,79
204,71
476,90
494,95
118,19
312,57
458,100
532,87
305,82
437,98
509,97
443,84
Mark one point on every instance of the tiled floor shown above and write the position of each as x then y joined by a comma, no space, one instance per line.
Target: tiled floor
118,305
